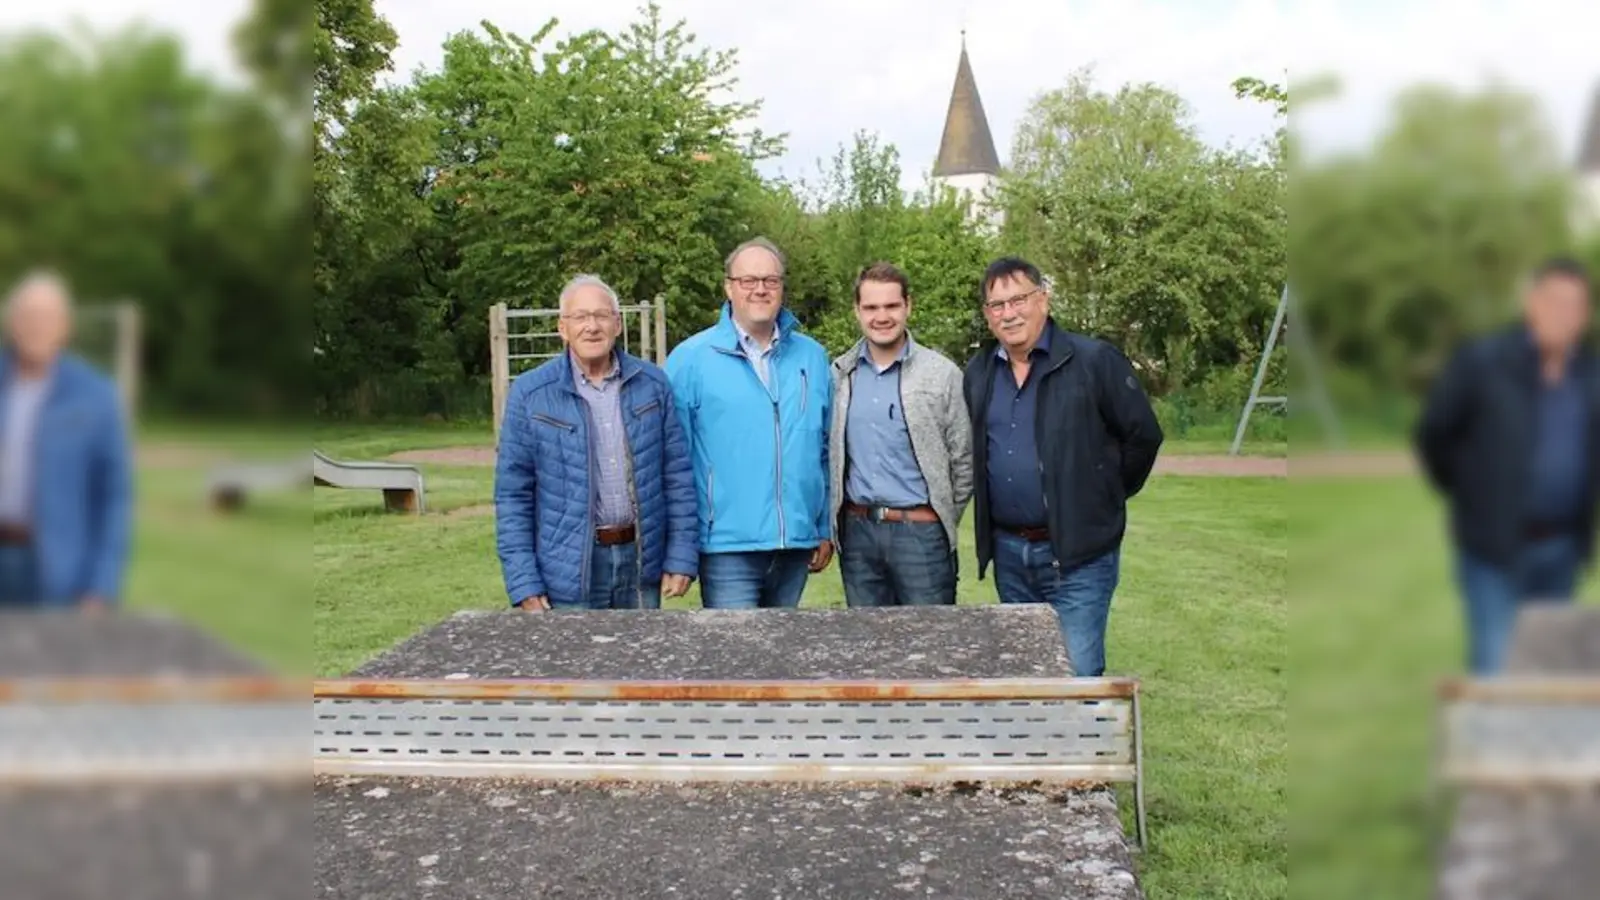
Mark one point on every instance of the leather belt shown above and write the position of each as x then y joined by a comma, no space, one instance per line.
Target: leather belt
1032,533
610,537
13,535
890,514
1538,531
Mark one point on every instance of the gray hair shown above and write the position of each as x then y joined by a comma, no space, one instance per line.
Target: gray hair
593,281
45,280
752,244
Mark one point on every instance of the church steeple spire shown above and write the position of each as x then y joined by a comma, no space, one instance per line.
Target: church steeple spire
967,147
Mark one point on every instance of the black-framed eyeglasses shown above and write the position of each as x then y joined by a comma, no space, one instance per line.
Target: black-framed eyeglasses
751,282
999,307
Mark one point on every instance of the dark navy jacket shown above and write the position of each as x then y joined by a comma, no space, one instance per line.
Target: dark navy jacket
82,484
543,494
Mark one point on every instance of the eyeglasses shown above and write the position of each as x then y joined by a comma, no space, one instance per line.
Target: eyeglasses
999,307
749,282
586,318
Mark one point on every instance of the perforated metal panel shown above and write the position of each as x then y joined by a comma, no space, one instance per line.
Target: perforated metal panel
1032,737
177,739
1510,741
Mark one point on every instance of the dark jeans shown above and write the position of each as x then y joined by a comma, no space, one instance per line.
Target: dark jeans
614,581
896,563
762,579
1545,570
1081,595
19,576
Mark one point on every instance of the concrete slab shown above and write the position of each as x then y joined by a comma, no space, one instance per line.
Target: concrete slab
110,841
404,838
898,643
1531,844
469,838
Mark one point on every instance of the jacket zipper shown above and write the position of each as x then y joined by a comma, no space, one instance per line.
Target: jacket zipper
1038,453
805,389
633,499
711,501
777,443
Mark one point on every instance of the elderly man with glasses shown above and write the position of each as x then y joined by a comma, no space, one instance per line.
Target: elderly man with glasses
1062,436
593,495
756,397
66,472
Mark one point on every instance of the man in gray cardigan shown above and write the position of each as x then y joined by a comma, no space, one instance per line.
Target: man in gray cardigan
901,451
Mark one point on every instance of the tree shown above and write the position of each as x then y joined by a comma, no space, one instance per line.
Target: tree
1167,248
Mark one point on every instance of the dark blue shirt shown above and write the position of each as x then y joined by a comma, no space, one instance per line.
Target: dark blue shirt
1560,454
882,469
1015,482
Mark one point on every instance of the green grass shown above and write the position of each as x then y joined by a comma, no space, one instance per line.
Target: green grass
1200,616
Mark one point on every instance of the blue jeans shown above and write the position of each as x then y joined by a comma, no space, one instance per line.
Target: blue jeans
614,581
1544,570
896,563
763,579
1081,595
19,576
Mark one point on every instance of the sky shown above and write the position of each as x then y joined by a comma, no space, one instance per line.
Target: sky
825,69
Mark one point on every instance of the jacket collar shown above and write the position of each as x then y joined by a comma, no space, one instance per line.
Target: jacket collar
1057,348
846,362
727,335
627,367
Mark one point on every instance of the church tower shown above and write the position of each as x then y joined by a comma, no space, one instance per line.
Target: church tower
967,162
1589,168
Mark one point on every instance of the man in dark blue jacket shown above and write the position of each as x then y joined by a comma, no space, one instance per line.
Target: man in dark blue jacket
65,471
1511,437
594,496
1063,436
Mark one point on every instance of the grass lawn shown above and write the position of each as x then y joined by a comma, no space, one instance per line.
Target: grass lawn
1200,616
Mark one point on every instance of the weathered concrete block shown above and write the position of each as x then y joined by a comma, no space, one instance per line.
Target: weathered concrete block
893,643
1531,844
129,841
404,838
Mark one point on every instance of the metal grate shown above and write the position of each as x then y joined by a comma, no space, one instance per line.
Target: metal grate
1523,731
40,742
713,733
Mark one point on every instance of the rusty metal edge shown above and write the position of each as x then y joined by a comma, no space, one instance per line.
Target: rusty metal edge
591,772
551,689
153,690
1525,688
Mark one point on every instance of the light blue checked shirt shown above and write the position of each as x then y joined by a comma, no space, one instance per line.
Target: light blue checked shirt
754,352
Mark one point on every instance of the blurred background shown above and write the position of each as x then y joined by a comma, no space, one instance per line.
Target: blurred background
1439,152
156,155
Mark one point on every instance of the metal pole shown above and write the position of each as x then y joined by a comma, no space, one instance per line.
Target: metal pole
1261,371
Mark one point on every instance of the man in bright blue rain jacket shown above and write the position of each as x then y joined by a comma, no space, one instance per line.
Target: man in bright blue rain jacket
755,397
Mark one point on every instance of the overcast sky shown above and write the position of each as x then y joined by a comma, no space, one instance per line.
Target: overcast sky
826,68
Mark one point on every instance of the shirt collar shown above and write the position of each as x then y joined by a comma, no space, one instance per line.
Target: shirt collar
580,379
1040,348
748,341
866,354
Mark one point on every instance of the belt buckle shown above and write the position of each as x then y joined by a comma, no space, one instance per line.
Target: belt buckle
877,514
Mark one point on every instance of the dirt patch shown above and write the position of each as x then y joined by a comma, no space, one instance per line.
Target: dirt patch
448,456
1226,466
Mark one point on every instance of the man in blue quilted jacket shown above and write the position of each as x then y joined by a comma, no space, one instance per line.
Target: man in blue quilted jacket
594,497
756,396
66,475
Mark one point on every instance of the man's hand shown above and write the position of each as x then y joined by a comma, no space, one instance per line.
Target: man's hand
93,603
534,604
821,556
674,585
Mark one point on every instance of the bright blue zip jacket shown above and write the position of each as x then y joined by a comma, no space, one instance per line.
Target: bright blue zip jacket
543,499
760,456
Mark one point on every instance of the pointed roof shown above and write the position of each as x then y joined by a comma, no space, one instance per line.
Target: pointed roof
966,147
1589,147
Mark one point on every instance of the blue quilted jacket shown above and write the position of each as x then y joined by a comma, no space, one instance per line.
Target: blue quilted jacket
82,485
543,499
